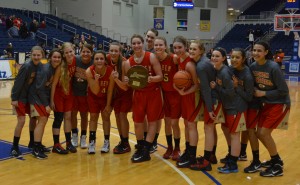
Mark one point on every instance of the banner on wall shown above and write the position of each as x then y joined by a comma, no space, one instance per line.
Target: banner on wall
159,24
294,67
8,69
204,25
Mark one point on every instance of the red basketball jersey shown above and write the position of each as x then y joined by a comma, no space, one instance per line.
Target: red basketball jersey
168,69
146,63
71,71
103,81
182,65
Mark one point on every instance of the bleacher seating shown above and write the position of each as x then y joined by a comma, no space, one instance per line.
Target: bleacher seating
237,36
21,45
281,41
260,6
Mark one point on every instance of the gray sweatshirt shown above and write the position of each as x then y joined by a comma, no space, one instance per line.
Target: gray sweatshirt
23,81
226,91
245,88
268,77
206,73
79,82
39,91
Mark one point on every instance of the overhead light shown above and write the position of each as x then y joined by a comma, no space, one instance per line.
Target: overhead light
230,9
237,10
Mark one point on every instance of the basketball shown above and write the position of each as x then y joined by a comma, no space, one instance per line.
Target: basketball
182,79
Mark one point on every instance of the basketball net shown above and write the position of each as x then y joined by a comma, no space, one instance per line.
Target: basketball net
287,31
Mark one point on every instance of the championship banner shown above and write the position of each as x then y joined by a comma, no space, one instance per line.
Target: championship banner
204,25
159,24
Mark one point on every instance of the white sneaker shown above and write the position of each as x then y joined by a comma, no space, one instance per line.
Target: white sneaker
83,144
91,149
74,139
105,147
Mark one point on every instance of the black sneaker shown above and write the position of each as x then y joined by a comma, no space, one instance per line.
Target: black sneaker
225,159
266,164
136,146
213,159
45,149
153,148
38,153
275,170
184,155
229,167
15,152
71,148
141,155
184,160
254,167
122,148
57,148
201,165
242,157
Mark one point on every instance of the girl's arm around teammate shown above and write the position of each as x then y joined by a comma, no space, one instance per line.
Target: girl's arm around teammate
53,87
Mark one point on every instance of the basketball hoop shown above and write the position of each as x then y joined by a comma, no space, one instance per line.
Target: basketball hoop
287,31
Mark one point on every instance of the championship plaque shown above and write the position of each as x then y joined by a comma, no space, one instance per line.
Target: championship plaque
138,77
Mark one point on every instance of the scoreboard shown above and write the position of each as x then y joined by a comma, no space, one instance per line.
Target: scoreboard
292,4
187,4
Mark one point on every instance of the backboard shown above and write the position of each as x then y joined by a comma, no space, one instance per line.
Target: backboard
287,22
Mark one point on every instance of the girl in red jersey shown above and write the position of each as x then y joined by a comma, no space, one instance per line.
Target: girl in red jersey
172,98
122,97
39,99
100,91
190,104
147,101
19,95
62,99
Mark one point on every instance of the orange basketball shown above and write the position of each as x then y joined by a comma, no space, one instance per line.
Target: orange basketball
182,79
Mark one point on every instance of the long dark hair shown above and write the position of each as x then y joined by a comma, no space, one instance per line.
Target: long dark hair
102,52
223,53
243,53
53,51
267,47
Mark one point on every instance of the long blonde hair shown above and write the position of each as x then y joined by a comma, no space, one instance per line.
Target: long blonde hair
65,75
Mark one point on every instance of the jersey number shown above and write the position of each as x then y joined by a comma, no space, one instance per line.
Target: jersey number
166,78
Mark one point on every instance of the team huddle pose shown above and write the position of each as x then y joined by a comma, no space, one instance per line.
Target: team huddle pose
253,99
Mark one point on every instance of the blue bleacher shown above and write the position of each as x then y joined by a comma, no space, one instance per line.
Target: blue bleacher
260,6
281,41
237,36
51,30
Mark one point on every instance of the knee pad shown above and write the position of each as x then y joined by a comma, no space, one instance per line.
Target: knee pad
58,119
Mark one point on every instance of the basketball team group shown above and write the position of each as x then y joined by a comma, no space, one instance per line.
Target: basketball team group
249,102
